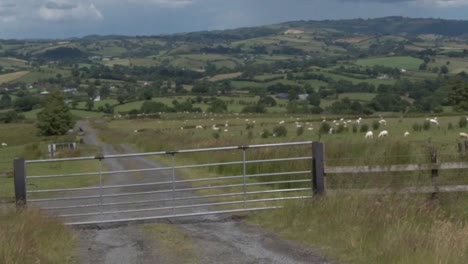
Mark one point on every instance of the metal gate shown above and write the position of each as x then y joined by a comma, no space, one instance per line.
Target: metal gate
135,187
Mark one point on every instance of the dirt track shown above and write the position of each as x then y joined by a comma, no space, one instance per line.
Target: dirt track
215,239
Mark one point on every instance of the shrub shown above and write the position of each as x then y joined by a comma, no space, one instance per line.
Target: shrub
463,122
341,128
417,127
280,131
300,131
266,133
450,126
364,128
324,128
375,125
427,125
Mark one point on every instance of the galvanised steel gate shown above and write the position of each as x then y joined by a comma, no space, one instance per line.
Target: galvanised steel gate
135,187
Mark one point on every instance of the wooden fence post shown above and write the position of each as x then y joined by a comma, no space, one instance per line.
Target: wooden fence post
435,174
19,171
318,171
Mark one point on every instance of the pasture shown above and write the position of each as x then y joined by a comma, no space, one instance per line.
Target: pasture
9,77
400,62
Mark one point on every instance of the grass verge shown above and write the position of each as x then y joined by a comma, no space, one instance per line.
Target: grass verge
29,237
372,229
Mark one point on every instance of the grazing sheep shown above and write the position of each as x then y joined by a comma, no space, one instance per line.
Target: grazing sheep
406,134
330,131
383,134
310,128
369,134
383,122
4,144
281,122
199,127
434,121
463,135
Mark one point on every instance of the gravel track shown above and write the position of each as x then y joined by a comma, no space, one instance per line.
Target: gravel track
217,239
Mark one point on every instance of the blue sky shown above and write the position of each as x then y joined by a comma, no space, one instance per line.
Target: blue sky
75,18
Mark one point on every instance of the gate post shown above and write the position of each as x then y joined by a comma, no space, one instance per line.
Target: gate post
318,173
19,171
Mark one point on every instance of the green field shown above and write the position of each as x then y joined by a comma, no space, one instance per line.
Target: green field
400,62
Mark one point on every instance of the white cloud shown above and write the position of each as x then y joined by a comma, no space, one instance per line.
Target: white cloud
449,3
66,10
165,3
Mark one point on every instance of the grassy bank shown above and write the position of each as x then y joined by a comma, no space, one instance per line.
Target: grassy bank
28,237
373,229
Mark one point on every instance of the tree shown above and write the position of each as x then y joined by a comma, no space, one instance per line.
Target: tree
458,93
89,104
444,69
55,118
5,101
217,106
104,92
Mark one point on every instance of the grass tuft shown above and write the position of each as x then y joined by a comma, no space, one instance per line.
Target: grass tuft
29,237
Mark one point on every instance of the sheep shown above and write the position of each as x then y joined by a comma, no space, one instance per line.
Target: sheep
383,122
310,128
463,135
4,144
384,133
434,121
369,134
281,122
330,131
406,134
225,130
199,127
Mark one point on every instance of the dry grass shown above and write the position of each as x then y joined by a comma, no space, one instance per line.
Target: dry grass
4,78
29,237
227,76
373,229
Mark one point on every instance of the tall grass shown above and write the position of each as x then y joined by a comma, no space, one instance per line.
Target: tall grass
29,237
373,229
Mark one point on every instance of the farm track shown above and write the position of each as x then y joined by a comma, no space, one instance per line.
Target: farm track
214,239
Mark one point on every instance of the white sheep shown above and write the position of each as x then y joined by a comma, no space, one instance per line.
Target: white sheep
369,134
463,135
406,134
4,144
384,133
434,121
199,127
330,131
383,122
281,122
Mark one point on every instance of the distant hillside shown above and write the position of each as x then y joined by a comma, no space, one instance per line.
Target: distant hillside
390,26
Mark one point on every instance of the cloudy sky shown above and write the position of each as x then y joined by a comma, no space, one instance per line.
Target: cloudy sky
75,18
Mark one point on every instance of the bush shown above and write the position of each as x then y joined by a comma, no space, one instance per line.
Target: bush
364,128
427,125
375,125
266,133
417,127
462,123
450,126
300,131
280,131
341,128
324,128
216,135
